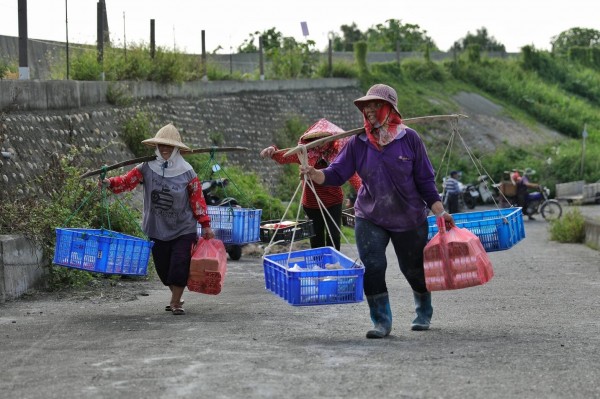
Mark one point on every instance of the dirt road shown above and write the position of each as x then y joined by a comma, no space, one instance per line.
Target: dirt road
532,332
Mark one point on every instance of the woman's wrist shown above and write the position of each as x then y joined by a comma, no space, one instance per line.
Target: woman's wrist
441,214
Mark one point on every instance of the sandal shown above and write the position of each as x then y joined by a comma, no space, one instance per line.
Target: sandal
168,307
178,310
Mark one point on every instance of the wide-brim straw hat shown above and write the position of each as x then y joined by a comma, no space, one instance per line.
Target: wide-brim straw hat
379,92
167,135
321,128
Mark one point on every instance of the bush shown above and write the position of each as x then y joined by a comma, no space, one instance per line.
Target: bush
135,130
118,95
570,228
420,70
68,201
340,69
86,67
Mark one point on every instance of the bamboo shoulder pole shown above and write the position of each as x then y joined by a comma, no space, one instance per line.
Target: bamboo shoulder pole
152,157
420,119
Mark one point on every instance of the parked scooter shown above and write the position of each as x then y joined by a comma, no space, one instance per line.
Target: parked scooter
208,190
470,195
485,194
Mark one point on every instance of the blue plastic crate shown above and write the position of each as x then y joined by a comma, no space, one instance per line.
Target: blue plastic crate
102,251
314,284
497,229
234,225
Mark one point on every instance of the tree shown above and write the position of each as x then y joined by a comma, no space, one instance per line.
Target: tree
574,37
270,39
351,34
481,39
410,37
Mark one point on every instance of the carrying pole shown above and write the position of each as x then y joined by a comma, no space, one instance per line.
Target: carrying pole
353,132
153,157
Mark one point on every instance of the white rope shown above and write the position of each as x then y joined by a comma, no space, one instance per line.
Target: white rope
476,162
272,242
303,158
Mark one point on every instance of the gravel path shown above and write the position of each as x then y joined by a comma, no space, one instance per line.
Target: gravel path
531,332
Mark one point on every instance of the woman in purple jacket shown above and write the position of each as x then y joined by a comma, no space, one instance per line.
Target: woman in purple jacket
393,203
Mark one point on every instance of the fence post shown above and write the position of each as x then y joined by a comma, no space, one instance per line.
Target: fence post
23,60
100,34
204,76
330,57
261,58
152,41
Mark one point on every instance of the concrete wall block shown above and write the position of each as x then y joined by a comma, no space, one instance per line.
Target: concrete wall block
592,233
62,94
91,93
22,95
21,266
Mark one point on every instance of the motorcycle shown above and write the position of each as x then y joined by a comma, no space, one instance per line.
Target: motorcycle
208,190
485,194
536,202
467,198
470,195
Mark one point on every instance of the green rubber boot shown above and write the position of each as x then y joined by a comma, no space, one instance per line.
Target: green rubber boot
381,314
424,311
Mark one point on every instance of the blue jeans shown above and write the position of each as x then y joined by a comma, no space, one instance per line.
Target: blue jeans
372,241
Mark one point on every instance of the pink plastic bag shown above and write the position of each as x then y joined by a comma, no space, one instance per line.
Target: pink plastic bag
207,267
455,259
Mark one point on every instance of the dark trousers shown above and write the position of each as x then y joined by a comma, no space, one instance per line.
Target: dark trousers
321,237
172,259
372,241
453,203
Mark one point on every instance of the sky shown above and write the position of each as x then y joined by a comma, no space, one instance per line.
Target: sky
227,24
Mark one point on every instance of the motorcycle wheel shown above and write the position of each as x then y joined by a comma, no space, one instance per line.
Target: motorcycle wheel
469,201
235,252
551,210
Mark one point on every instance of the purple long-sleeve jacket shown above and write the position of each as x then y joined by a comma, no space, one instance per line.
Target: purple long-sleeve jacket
398,182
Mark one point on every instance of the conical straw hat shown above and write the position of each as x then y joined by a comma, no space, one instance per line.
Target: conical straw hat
167,135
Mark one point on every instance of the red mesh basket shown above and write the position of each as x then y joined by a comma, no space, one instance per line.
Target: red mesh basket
455,259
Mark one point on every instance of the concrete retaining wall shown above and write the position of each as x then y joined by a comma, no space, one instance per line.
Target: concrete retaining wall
50,117
32,95
21,266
